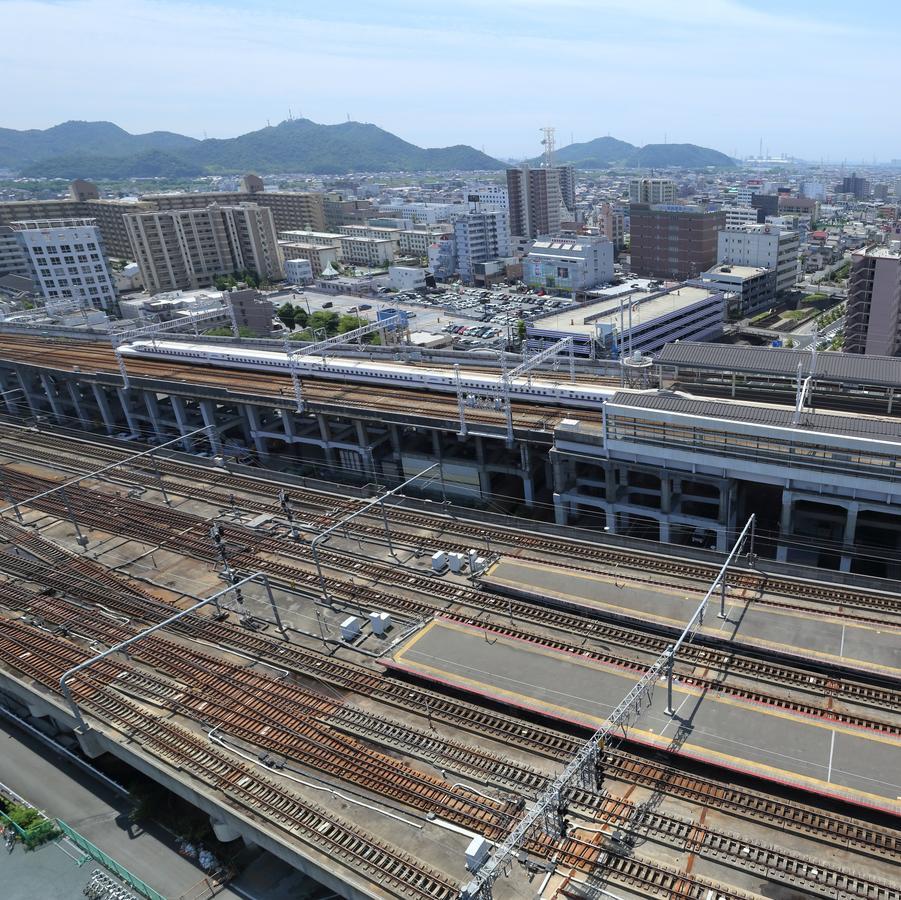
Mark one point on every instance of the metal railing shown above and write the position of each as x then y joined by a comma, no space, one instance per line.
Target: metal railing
105,860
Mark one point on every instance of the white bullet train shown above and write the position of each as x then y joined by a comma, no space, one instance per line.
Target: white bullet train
544,388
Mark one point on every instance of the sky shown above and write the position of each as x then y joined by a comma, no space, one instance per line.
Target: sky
815,80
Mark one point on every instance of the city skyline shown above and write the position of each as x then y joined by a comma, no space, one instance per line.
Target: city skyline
652,74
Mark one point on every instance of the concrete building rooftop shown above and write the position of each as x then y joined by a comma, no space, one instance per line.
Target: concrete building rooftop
606,312
735,271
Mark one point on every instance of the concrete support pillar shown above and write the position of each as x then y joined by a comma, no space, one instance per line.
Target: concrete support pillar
848,537
559,510
128,410
666,495
611,519
244,425
287,424
528,486
153,411
788,500
610,478
32,397
53,398
109,423
480,451
325,432
12,393
208,411
664,532
394,435
224,831
78,405
259,442
181,418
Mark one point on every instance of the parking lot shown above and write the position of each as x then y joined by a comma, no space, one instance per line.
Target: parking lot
476,317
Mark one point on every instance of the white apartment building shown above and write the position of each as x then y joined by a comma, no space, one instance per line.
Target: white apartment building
66,261
423,213
299,271
479,237
764,246
489,197
416,241
381,233
739,216
367,251
316,238
652,190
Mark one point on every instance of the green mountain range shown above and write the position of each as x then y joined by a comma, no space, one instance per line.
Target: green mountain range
103,150
604,152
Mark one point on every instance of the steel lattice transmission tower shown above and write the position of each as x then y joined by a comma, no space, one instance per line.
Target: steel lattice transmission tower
548,143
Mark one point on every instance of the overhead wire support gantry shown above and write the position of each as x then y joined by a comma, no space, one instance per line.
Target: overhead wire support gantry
585,768
318,348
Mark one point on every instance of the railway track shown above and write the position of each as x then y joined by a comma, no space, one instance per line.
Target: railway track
729,848
326,393
139,520
841,598
821,826
246,788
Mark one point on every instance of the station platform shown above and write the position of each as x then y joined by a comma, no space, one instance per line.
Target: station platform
820,756
828,638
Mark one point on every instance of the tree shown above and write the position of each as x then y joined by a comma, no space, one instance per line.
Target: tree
521,330
287,314
301,319
326,320
349,323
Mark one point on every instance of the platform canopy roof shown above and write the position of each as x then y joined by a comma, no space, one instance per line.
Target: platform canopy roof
759,413
845,368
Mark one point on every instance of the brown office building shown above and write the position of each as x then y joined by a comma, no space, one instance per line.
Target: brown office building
673,242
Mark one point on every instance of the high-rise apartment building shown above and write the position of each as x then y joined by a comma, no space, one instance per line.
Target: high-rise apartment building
763,246
66,260
479,237
187,248
652,190
851,184
538,198
673,242
873,313
290,209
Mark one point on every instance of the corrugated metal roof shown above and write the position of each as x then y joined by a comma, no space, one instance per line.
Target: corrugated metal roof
848,368
781,417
